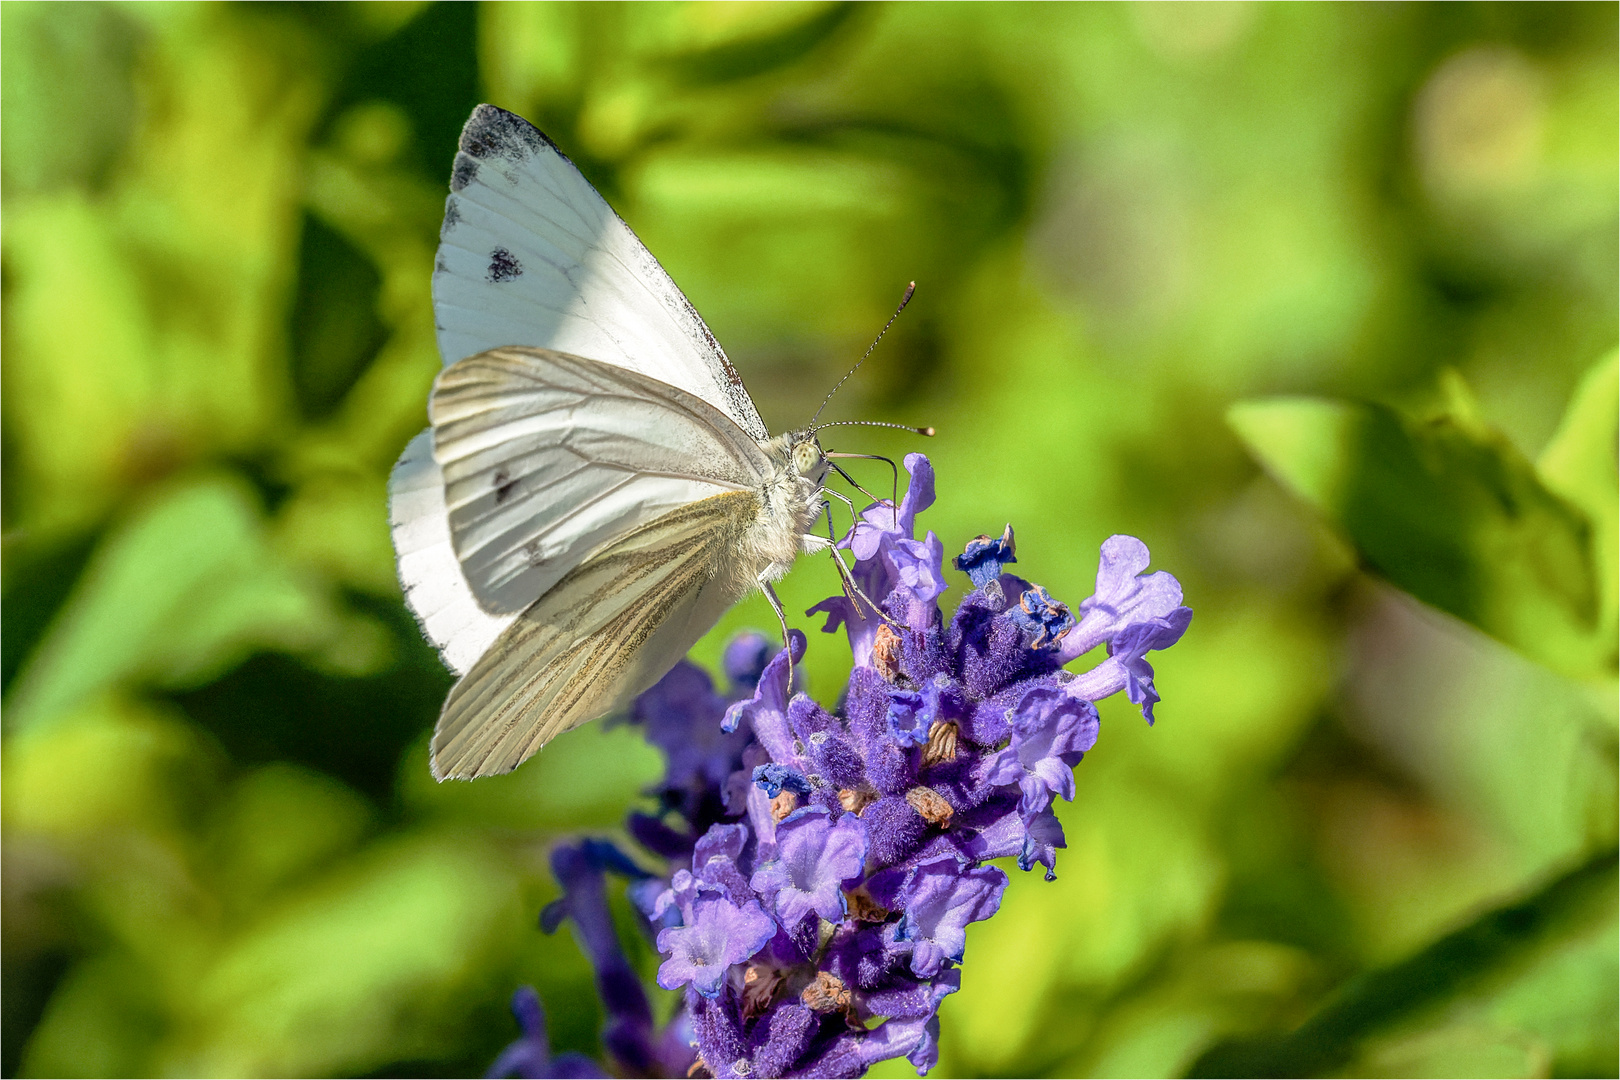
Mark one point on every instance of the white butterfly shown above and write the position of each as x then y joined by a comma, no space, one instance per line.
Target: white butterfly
597,487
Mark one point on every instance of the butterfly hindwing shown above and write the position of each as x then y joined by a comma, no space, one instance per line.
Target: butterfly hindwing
530,254
547,457
602,635
429,572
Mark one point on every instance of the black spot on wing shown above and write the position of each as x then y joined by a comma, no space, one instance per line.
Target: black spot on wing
440,266
452,215
503,486
495,133
464,173
503,266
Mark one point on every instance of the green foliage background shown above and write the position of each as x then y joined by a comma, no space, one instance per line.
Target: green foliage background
1318,300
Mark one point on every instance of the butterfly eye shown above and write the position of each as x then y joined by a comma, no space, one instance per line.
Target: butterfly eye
805,458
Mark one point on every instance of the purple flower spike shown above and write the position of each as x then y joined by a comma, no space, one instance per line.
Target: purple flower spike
580,868
815,858
530,1056
1051,731
721,934
939,900
823,865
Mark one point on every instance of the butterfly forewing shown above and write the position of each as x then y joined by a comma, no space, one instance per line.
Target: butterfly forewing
603,634
530,254
546,457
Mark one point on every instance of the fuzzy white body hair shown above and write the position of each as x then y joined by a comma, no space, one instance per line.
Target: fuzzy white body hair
789,503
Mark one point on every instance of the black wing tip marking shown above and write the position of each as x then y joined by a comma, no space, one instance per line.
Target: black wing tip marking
493,132
503,266
464,172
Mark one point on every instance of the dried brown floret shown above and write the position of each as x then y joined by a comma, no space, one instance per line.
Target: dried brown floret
856,799
886,652
941,743
826,994
931,805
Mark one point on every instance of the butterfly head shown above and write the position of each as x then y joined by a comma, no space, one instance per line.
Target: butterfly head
806,456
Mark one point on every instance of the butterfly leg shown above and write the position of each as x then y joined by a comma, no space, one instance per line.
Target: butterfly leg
781,617
851,590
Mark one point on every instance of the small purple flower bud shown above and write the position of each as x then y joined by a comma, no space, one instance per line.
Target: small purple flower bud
775,779
530,1056
1043,617
982,562
745,658
908,718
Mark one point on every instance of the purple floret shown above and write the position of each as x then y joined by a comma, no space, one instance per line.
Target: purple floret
720,934
939,899
1051,731
815,857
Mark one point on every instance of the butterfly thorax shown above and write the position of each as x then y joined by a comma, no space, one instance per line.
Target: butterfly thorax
790,500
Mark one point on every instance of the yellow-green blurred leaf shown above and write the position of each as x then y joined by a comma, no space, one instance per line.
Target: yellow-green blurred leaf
1447,511
183,590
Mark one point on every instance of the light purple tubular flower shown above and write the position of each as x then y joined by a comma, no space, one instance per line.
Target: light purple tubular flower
940,899
766,711
721,934
530,1056
888,557
1134,613
1051,731
1043,835
815,858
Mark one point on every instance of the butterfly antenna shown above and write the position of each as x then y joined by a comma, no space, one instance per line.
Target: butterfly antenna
911,287
874,423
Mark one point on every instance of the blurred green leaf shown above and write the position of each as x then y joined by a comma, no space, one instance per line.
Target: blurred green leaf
734,60
1458,962
1580,461
1448,511
1580,464
335,330
74,63
361,969
182,591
